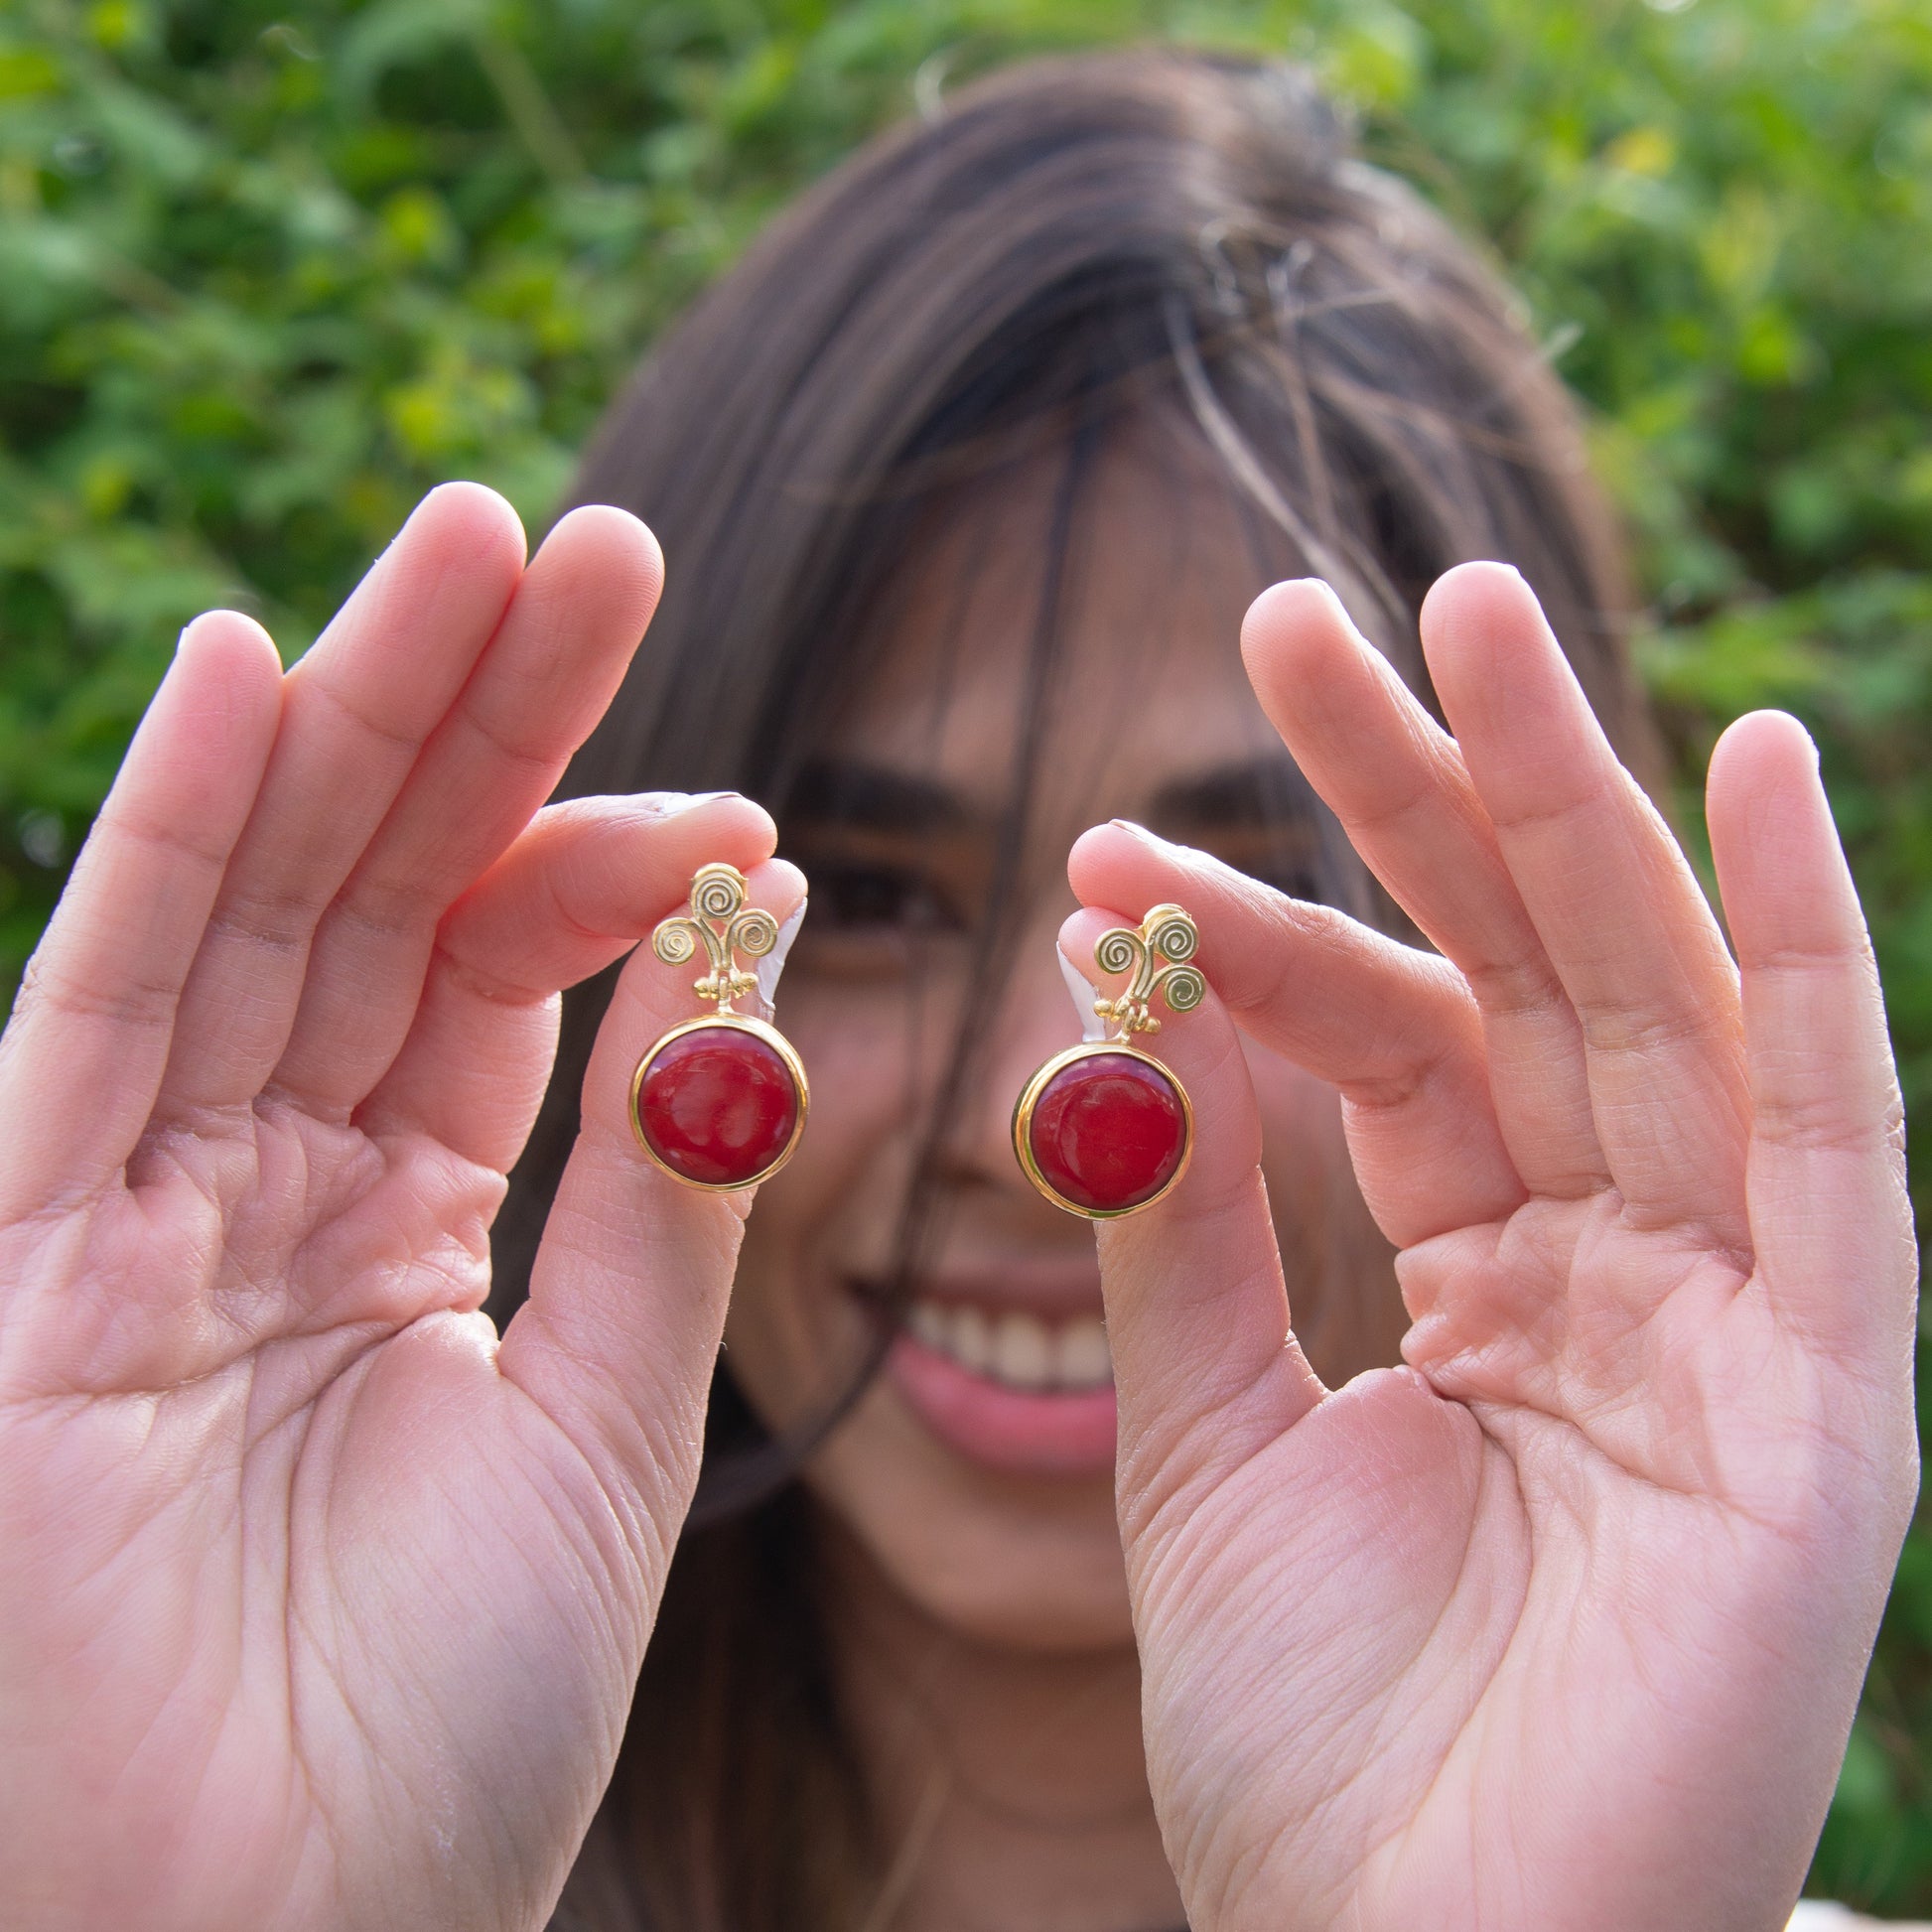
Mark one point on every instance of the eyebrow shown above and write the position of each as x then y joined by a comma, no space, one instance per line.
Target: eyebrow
1260,793
874,798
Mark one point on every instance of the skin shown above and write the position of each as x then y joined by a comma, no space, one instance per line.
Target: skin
983,1616
1559,1625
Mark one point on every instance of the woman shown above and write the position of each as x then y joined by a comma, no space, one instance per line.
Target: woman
325,1604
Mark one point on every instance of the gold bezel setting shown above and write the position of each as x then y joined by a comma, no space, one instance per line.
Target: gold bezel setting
1023,1122
741,1023
1157,958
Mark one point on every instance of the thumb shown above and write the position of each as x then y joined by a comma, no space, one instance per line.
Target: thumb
1205,1366
628,1289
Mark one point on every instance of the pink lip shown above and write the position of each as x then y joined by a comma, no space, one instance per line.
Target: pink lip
1043,1435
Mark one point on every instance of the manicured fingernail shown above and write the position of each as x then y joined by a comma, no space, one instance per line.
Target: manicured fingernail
1152,839
670,805
1080,990
773,963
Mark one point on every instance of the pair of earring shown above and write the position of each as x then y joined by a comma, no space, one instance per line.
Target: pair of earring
1102,1129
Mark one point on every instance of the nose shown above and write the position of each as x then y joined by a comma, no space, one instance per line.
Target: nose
1030,1019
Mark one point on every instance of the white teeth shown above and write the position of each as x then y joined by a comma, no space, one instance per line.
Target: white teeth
1017,1348
971,1341
1085,1359
1023,1354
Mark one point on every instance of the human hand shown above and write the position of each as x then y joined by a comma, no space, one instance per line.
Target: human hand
1561,1625
318,1606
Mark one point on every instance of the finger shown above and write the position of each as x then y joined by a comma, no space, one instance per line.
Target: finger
586,881
1397,782
554,664
1393,1028
627,1291
1614,900
354,714
1831,1220
1206,1364
82,1056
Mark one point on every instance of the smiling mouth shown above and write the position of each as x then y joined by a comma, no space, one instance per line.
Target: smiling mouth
1025,1391
1015,1349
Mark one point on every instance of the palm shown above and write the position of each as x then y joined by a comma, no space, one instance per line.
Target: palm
322,1609
298,1608
1561,1625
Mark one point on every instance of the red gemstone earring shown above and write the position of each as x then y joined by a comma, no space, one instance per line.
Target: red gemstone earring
1104,1129
720,1102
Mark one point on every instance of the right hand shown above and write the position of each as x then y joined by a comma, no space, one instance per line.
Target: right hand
321,1606
1563,1624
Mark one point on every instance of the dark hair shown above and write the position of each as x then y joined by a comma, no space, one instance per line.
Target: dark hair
1063,246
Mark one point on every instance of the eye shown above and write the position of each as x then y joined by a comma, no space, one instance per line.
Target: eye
1289,864
875,914
1296,881
855,896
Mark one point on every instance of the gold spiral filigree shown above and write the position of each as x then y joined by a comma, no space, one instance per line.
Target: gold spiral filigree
1183,988
717,891
719,921
754,932
1120,950
1169,931
1156,956
675,941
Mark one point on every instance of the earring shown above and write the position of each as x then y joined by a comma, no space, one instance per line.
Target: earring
1104,1129
719,1102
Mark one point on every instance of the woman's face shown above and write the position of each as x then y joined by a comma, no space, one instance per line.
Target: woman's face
976,1471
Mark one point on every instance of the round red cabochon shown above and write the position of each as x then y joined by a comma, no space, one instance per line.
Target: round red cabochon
1108,1132
717,1105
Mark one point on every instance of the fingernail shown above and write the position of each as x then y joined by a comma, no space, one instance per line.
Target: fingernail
1080,990
773,963
670,805
1155,840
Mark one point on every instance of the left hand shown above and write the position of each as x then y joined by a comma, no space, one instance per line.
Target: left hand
321,1604
1561,1625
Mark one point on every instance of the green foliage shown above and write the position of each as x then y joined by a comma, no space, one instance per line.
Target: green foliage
267,271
